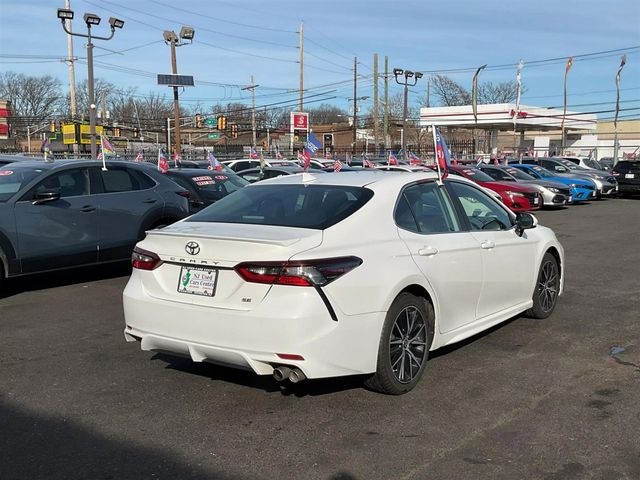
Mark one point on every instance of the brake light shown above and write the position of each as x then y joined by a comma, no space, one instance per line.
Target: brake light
144,260
615,174
304,273
184,193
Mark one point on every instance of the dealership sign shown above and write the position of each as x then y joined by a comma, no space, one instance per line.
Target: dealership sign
299,121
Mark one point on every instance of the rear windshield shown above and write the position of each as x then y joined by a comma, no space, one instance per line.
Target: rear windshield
219,182
13,178
303,206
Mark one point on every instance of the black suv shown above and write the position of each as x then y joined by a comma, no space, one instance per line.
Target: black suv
627,173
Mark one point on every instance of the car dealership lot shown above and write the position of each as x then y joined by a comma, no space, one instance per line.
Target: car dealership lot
555,398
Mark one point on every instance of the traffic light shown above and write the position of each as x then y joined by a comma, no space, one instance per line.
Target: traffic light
117,132
52,126
136,132
198,121
234,130
222,122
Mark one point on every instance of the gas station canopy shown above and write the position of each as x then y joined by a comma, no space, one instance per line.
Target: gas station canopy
501,116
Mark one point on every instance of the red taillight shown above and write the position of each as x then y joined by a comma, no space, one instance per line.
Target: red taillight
615,174
144,260
184,193
304,273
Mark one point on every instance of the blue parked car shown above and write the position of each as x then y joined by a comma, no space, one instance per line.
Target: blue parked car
71,213
581,189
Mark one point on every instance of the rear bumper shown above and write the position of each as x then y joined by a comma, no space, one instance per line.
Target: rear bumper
291,320
629,187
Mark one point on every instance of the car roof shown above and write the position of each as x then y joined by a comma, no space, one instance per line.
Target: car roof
355,179
198,172
65,162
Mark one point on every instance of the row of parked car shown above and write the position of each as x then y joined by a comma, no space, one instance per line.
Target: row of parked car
73,212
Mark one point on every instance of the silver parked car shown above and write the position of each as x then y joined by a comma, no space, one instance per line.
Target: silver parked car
72,212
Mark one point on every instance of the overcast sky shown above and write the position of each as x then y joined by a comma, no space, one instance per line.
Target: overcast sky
237,38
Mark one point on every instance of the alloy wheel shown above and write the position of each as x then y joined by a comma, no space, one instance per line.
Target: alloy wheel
408,344
548,285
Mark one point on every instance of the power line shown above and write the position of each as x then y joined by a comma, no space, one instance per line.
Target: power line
218,19
200,27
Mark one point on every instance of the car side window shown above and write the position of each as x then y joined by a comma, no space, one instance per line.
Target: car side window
482,211
426,208
252,177
122,180
70,183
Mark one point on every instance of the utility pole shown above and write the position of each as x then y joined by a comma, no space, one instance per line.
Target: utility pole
72,74
301,63
355,103
386,102
375,102
253,111
428,92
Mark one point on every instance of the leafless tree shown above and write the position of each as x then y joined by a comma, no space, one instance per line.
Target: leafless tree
325,114
35,97
451,93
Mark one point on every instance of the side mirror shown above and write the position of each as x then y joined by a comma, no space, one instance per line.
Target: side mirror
525,221
44,197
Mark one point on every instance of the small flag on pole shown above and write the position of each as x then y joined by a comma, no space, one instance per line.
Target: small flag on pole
392,159
623,61
262,162
214,164
163,164
474,92
176,159
140,156
105,149
443,161
253,154
278,154
337,165
46,149
366,163
414,159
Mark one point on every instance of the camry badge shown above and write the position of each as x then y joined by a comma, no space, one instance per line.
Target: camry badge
192,248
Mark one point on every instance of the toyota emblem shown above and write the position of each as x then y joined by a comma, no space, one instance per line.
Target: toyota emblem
192,248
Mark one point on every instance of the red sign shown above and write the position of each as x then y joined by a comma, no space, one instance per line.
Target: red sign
299,121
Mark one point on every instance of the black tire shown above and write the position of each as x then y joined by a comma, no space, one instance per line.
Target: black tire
406,337
545,295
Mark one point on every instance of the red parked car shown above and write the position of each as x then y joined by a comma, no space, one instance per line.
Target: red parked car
518,198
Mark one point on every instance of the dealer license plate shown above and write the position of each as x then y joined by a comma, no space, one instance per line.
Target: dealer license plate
198,281
535,201
629,175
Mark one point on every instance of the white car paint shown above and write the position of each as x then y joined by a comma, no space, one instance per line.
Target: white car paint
247,324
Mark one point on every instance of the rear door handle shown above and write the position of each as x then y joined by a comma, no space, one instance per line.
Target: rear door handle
427,251
149,200
88,208
487,245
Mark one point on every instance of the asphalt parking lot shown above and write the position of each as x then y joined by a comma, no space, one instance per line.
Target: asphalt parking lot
552,399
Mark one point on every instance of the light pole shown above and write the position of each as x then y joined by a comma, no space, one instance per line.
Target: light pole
171,39
355,120
90,19
407,74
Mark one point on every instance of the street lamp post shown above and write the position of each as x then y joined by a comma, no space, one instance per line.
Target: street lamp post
407,74
90,19
170,38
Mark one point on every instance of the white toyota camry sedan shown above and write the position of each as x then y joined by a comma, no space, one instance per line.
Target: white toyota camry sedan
309,276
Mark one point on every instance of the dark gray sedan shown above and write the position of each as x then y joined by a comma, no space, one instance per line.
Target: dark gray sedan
72,212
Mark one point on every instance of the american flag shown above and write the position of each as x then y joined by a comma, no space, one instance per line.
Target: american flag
414,159
337,165
366,163
393,160
253,154
163,164
176,159
140,156
214,164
